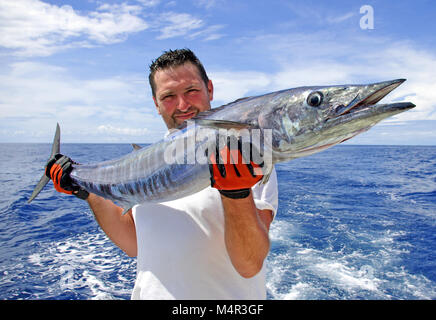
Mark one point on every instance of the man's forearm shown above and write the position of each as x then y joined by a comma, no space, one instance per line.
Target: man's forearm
246,235
119,228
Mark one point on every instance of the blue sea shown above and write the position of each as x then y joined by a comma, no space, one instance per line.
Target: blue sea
354,222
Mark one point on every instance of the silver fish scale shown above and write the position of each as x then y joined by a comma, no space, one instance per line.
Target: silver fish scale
143,176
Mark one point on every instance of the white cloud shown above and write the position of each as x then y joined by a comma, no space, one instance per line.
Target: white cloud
149,3
48,88
340,18
178,24
208,4
320,59
109,129
230,85
322,14
208,34
36,28
417,66
173,24
36,95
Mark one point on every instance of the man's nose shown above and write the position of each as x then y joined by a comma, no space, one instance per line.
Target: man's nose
183,104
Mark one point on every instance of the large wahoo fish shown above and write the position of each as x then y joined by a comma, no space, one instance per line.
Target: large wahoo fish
300,122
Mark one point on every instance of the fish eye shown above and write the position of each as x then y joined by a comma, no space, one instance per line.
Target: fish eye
314,99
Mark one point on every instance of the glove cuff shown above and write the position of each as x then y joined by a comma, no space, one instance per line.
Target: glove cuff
235,194
81,194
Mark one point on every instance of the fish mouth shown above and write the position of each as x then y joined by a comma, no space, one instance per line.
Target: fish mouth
369,95
360,119
364,106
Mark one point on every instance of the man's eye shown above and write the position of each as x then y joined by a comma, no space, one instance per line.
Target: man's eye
167,97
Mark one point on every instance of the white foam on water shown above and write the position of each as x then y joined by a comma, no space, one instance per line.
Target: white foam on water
298,271
346,277
88,266
282,231
300,291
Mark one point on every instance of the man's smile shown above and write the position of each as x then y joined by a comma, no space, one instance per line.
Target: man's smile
186,115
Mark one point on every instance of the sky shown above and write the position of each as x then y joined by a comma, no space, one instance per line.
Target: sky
84,63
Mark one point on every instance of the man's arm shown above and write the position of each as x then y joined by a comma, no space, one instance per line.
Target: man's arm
118,227
245,227
246,234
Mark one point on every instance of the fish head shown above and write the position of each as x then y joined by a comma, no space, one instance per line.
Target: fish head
311,119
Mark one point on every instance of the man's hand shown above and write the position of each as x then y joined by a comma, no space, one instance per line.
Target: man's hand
232,174
58,169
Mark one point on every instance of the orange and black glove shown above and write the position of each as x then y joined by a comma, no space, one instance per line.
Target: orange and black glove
232,174
58,169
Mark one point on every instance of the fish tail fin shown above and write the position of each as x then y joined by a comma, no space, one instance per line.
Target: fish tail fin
44,179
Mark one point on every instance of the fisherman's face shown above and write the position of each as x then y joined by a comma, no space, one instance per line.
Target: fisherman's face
181,94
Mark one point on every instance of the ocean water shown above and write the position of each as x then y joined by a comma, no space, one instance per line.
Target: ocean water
354,222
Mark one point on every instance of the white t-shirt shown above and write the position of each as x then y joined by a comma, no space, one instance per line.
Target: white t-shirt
181,249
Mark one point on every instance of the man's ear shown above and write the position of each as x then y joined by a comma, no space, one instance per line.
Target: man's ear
210,89
157,106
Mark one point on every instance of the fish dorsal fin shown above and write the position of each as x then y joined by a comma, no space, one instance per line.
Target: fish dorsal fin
211,123
208,113
222,124
237,100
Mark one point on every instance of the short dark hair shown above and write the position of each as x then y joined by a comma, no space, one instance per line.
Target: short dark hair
175,58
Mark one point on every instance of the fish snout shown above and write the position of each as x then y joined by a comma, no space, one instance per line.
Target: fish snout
369,95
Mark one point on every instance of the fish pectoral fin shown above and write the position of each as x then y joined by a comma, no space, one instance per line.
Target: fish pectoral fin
222,124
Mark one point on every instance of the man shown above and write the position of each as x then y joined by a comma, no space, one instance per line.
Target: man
210,245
